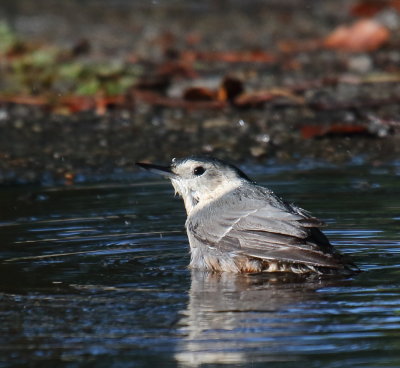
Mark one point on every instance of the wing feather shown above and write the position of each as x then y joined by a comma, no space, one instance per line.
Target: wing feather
264,227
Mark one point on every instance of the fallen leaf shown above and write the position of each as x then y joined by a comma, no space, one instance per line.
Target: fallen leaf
259,98
255,56
76,104
230,88
105,103
364,35
199,94
100,104
313,131
253,99
296,46
24,100
69,178
395,4
157,99
368,8
176,69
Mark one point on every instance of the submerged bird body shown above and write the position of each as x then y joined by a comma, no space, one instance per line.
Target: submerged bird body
237,226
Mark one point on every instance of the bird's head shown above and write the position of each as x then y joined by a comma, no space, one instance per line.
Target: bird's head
200,179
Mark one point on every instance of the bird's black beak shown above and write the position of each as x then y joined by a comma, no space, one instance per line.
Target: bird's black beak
157,169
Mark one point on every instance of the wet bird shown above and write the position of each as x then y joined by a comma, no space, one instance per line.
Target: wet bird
235,225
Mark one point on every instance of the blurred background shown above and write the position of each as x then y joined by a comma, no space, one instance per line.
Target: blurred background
89,87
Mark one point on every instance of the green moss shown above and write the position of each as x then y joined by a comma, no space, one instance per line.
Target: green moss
7,38
49,70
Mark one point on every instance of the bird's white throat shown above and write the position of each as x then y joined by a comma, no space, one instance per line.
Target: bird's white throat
196,199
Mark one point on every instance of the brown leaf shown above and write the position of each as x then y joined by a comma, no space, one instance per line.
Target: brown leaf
176,69
395,4
24,100
69,178
157,99
230,88
296,46
105,103
259,98
256,56
99,104
199,94
368,8
364,35
253,99
76,104
313,131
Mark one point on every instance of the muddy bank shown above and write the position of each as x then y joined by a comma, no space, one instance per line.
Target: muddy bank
316,104
55,149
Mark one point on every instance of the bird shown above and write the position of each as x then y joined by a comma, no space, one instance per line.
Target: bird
234,225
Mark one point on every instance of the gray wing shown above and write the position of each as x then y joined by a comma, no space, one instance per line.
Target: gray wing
259,224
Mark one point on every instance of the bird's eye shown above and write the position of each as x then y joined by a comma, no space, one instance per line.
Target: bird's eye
199,170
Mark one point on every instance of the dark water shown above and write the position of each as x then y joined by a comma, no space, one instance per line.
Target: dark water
96,276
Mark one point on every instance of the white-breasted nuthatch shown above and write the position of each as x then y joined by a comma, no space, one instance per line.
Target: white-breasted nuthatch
237,226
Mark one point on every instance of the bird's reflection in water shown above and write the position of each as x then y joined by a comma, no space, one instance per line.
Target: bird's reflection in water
234,318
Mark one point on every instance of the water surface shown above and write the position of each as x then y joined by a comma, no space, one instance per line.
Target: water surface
95,275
